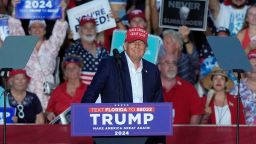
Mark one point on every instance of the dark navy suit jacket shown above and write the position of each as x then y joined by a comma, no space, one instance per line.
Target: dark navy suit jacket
107,82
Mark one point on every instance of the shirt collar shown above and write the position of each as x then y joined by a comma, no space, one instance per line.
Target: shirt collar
131,64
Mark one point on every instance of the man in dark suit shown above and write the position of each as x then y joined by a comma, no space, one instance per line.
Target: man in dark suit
127,77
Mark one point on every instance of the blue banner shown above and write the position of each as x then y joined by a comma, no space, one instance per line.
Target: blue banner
122,119
38,9
10,112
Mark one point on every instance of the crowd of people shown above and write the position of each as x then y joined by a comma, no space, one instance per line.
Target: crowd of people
89,74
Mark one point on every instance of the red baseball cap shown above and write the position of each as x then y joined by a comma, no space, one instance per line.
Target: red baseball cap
18,71
87,19
136,33
252,54
136,13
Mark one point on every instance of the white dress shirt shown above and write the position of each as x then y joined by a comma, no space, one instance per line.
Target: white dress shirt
136,80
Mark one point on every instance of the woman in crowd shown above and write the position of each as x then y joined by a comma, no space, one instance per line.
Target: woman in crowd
27,104
71,91
248,91
220,106
42,62
247,35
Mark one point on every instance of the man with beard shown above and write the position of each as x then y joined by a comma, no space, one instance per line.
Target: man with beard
229,16
248,91
187,107
87,48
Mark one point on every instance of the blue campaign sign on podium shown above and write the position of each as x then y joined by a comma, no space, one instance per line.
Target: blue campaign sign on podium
10,112
151,54
121,119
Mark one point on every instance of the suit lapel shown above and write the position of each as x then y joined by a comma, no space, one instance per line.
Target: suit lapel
127,88
145,82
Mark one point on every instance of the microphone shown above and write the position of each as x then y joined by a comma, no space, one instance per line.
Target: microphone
117,57
118,63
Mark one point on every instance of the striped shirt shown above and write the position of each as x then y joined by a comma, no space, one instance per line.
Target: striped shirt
90,63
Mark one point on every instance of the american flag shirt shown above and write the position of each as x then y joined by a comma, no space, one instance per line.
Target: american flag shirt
90,63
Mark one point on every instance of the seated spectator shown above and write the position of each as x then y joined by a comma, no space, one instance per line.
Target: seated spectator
248,91
70,91
87,48
220,106
27,104
187,107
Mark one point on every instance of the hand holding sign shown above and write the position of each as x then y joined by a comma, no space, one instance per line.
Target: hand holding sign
184,31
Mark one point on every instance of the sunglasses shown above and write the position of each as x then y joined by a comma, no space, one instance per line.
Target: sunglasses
72,59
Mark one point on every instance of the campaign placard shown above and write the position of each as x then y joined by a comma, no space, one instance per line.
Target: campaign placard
99,10
151,54
121,119
191,13
10,112
38,9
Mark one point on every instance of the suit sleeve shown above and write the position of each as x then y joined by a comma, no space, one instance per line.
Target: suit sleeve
98,82
158,94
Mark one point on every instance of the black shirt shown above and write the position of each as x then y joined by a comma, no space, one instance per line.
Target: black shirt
27,110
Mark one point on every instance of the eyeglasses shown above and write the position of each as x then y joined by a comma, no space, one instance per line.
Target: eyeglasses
168,63
20,109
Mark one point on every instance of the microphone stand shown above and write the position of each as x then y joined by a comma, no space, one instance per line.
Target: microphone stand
118,63
239,72
4,74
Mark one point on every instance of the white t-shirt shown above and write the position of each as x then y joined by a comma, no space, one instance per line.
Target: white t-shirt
222,115
231,18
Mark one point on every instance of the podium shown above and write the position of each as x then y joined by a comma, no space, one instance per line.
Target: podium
122,123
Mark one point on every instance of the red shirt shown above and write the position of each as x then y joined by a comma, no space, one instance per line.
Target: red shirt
246,40
186,101
60,100
232,104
